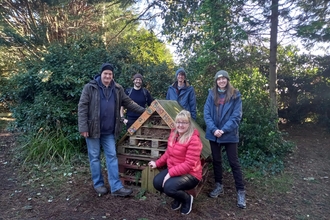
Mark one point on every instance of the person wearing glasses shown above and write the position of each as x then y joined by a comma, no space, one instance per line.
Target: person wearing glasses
222,115
182,158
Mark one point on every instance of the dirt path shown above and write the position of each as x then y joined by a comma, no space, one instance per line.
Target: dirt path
310,168
306,194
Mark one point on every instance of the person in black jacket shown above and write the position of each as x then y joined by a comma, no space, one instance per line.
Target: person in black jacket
138,94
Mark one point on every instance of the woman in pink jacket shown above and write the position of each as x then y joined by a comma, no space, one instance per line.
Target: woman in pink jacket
182,157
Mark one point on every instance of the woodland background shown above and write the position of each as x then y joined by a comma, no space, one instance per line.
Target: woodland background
276,52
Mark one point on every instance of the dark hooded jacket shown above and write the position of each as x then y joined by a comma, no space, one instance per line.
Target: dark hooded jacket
185,97
228,121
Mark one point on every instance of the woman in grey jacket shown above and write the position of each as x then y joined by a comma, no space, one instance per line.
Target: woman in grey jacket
99,122
222,115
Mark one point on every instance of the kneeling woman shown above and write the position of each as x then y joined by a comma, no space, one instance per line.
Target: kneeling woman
182,157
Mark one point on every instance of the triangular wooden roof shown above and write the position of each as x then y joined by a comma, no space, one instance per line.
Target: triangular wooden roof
167,110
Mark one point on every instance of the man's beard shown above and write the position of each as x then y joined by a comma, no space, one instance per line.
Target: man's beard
138,85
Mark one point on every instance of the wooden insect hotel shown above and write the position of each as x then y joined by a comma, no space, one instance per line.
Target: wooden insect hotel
146,140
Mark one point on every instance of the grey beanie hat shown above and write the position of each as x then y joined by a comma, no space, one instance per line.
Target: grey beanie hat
221,73
138,75
180,70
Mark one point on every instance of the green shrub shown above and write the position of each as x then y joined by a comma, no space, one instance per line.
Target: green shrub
262,146
44,91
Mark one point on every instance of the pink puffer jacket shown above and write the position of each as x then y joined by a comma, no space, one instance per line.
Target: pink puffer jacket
183,158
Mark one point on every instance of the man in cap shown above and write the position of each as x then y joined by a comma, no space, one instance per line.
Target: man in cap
99,122
138,94
182,92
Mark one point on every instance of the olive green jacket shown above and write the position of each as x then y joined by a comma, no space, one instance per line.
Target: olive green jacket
89,109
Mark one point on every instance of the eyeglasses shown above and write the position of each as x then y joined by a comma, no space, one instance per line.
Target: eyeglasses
182,122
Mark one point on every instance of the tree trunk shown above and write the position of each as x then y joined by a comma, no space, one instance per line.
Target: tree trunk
272,59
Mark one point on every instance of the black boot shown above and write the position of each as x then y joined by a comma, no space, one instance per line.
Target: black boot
187,205
175,205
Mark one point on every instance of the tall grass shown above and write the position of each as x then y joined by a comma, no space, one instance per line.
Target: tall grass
49,147
50,159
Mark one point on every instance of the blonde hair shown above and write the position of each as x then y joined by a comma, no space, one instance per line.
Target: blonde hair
184,115
230,92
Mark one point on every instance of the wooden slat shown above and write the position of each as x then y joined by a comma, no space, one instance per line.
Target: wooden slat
148,175
140,121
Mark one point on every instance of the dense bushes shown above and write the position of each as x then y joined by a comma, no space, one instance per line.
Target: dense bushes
43,89
43,93
262,147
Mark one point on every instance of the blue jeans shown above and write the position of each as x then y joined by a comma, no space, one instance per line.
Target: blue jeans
175,186
94,151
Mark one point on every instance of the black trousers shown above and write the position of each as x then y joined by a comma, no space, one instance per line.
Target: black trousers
174,187
232,155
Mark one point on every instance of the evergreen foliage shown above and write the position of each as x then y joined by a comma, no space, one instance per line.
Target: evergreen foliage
314,22
44,93
49,55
